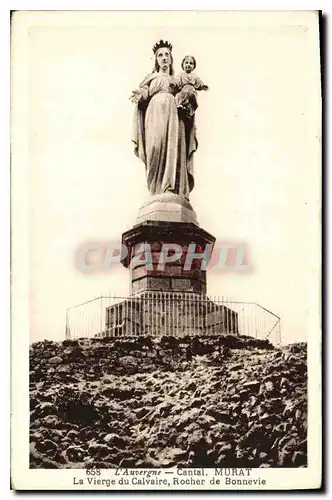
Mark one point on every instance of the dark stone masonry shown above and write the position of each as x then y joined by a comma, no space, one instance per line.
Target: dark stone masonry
174,277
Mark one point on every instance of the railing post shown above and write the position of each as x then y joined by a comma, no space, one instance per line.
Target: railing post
67,332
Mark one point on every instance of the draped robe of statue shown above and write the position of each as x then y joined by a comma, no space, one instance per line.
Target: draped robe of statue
163,141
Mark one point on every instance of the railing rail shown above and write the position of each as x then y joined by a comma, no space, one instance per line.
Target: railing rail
170,313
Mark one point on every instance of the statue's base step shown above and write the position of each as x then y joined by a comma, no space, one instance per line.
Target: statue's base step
176,314
167,207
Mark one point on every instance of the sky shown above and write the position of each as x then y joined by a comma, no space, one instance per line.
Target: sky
257,168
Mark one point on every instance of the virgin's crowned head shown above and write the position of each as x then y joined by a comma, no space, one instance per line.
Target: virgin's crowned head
163,57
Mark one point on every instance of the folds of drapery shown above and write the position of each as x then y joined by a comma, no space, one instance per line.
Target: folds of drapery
187,133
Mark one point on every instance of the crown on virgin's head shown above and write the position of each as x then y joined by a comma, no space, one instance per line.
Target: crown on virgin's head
162,44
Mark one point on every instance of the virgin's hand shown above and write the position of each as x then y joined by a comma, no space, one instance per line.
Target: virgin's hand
135,96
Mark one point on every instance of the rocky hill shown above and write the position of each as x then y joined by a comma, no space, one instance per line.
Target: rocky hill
193,402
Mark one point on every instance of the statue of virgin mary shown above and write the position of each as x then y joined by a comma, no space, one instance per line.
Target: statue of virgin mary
164,141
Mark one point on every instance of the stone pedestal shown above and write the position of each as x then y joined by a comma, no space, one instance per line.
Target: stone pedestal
173,277
168,299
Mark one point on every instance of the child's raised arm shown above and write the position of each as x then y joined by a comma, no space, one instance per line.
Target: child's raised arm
200,85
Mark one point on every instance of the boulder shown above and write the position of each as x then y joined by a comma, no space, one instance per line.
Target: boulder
55,360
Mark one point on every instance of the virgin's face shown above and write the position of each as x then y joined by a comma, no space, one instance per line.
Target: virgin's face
164,58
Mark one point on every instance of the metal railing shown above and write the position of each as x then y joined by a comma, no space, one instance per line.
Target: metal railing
170,313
